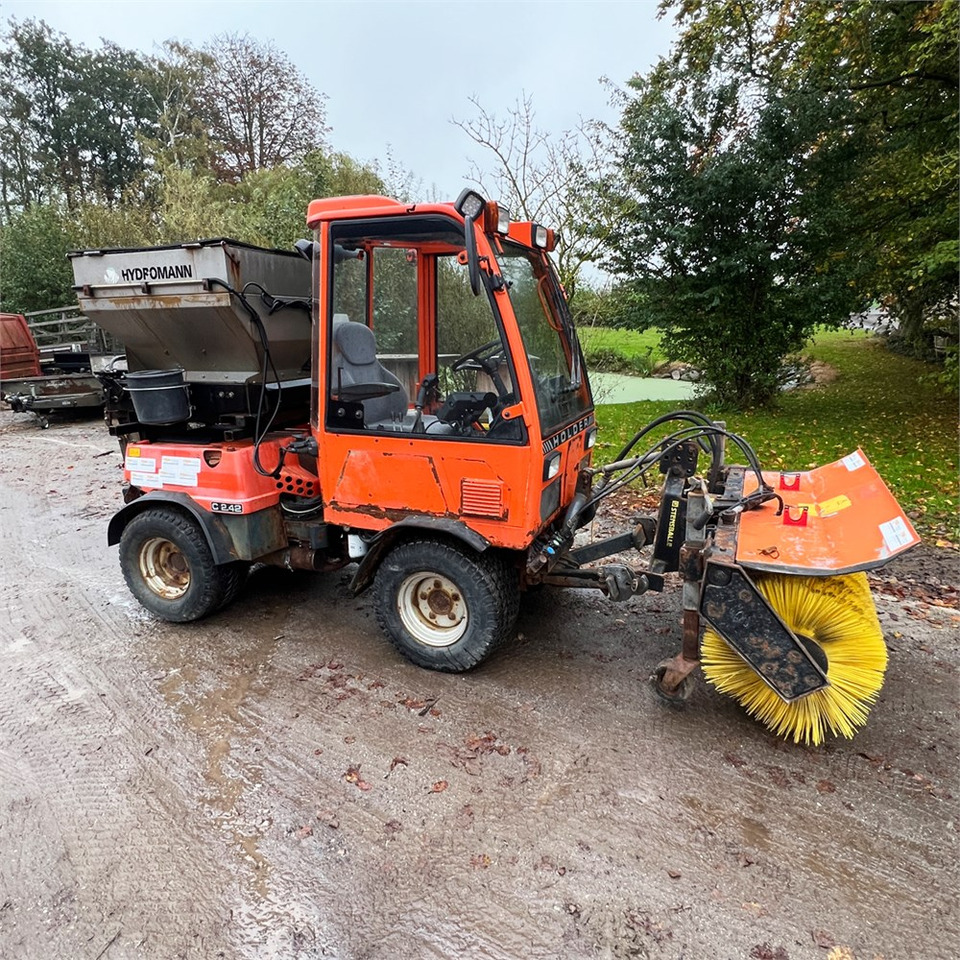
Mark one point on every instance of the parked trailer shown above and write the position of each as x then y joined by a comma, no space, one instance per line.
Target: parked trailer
30,385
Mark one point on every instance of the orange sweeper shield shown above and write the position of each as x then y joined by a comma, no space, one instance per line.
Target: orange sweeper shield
839,518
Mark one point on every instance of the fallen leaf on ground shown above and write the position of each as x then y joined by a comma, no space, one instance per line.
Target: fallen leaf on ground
841,953
763,951
353,776
397,762
823,939
462,758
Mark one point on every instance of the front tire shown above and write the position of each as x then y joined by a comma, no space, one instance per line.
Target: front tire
444,607
169,568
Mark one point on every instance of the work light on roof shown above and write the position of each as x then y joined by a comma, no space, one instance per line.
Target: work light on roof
469,204
498,218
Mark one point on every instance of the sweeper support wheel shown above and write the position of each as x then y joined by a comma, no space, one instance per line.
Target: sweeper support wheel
835,619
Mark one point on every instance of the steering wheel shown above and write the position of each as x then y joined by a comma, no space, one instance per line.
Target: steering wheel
483,358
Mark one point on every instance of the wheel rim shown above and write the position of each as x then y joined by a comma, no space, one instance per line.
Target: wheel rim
164,568
432,609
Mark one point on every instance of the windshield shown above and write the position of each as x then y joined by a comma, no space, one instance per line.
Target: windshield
548,337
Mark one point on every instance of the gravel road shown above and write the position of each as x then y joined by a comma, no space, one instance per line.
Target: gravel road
277,783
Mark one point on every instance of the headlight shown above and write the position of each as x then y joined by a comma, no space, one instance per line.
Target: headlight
591,438
533,235
551,466
496,218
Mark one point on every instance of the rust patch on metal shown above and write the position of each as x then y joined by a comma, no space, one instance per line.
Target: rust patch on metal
675,671
691,636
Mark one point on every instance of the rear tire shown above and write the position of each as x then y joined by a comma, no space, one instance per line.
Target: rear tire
445,607
169,568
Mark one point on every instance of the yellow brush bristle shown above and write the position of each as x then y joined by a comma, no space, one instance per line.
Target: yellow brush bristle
838,613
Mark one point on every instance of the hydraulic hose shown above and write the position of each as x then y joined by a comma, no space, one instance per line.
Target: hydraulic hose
703,430
258,433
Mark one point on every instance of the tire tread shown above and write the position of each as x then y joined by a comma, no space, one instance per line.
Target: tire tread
498,582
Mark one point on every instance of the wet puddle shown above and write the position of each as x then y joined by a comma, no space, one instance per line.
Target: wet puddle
215,716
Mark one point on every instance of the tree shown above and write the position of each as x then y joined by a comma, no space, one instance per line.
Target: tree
69,120
899,88
721,236
536,176
889,74
34,89
172,83
36,274
270,206
787,163
107,148
263,112
109,114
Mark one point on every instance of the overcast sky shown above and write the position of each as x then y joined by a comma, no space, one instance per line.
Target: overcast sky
397,73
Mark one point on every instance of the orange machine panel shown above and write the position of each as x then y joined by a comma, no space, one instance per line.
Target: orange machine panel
220,476
376,481
836,519
391,480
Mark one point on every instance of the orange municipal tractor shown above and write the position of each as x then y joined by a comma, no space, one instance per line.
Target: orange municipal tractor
405,392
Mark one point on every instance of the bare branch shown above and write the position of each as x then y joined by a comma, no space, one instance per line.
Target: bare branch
538,174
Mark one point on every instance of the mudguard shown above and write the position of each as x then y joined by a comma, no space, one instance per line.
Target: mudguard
216,533
384,540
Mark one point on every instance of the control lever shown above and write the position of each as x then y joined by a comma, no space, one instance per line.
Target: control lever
427,386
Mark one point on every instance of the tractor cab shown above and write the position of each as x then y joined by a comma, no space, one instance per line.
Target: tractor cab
448,382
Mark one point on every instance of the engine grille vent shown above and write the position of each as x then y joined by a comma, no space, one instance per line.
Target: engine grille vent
482,498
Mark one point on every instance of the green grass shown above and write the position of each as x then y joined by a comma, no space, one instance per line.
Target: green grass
880,401
628,343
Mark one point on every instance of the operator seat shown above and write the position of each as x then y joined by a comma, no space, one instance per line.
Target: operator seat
354,361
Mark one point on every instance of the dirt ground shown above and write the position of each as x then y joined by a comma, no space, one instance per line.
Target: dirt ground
276,782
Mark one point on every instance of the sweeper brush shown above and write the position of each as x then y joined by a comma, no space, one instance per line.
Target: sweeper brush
776,606
835,620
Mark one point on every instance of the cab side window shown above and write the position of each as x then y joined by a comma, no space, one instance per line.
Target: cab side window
376,373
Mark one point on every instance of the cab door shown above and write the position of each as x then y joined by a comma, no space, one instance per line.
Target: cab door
423,411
